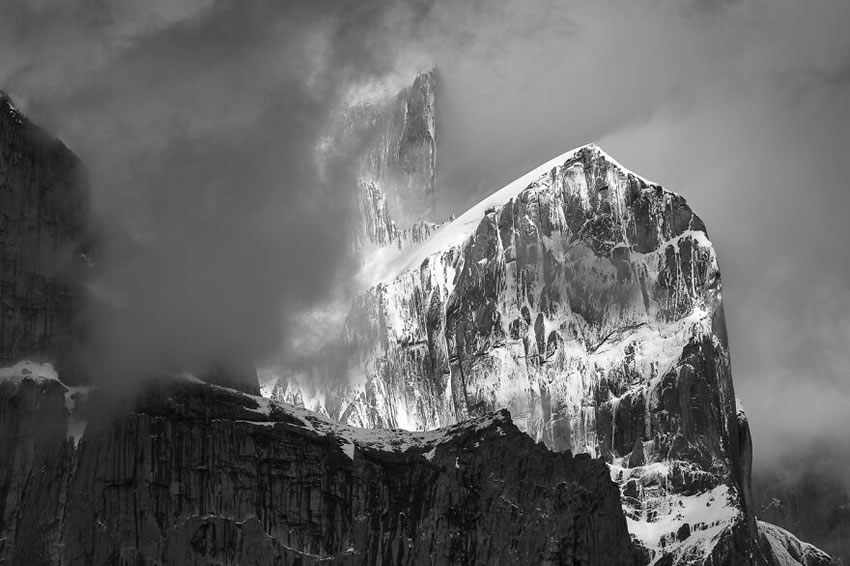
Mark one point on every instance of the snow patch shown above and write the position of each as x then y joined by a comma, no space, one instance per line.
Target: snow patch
27,369
455,233
44,372
264,405
258,423
739,406
657,515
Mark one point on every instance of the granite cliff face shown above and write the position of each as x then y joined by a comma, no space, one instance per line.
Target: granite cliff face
587,301
43,231
191,473
395,192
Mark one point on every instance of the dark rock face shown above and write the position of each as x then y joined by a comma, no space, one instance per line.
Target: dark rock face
808,496
190,473
33,465
43,227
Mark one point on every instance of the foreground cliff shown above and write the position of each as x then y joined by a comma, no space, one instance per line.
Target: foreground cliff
587,300
191,473
43,229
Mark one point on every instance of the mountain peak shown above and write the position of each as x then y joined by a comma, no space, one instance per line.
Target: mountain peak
586,300
457,231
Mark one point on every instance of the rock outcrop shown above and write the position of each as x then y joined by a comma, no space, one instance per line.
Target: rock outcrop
784,549
191,473
587,300
396,136
379,229
44,212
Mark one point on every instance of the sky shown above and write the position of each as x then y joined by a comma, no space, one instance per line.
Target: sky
198,121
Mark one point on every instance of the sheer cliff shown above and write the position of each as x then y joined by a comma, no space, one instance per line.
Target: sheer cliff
43,230
588,301
396,139
191,473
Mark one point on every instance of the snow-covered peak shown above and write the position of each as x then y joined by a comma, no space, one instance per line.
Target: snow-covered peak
457,231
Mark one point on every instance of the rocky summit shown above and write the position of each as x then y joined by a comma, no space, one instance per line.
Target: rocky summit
587,300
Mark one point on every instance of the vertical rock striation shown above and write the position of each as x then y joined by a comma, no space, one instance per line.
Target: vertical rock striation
395,192
34,453
190,473
43,228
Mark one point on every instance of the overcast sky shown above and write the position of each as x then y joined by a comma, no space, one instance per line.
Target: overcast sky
198,120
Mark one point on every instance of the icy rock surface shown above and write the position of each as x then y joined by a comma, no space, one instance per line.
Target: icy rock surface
192,473
587,301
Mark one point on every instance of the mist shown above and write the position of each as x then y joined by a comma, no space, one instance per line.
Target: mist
199,121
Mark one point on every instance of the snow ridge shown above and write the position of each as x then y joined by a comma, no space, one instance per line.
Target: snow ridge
457,231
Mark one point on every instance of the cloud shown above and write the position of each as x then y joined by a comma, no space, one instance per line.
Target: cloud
199,120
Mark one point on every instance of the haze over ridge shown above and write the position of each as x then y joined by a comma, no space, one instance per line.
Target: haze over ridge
190,113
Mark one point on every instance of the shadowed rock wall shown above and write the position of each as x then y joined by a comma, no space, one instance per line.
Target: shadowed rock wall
191,473
44,213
